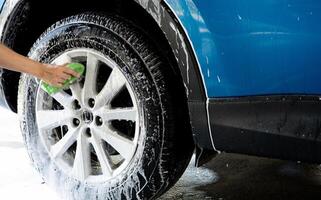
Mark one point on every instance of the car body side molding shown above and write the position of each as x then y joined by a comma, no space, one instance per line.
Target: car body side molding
285,127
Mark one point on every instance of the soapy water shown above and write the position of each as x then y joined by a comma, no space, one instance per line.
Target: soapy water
20,180
193,178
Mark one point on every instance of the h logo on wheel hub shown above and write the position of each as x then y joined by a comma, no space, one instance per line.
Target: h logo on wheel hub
87,117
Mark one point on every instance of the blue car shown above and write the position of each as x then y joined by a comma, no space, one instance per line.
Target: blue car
163,79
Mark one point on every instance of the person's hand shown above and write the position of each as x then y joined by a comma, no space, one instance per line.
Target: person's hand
56,74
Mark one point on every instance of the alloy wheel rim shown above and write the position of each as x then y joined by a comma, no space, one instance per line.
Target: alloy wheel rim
84,128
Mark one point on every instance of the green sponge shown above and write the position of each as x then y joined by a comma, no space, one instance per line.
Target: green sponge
79,68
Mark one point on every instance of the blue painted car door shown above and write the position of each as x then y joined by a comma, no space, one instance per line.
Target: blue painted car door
255,47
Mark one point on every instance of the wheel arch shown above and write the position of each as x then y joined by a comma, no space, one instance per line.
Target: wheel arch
27,19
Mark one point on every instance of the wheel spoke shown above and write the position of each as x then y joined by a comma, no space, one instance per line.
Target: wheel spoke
63,59
128,114
76,91
64,99
101,155
113,86
82,165
121,144
48,119
63,145
89,89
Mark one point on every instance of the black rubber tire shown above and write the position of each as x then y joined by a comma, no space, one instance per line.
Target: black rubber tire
165,150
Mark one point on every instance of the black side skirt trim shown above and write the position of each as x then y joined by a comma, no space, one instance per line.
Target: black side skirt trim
285,127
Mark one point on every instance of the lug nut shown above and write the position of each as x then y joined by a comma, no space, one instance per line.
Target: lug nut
88,132
91,102
98,121
76,121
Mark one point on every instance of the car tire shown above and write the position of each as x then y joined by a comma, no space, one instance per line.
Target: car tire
160,143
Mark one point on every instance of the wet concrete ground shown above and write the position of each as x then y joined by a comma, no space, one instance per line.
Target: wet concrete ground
226,177
241,177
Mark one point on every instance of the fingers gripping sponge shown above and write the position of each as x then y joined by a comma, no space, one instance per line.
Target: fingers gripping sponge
79,68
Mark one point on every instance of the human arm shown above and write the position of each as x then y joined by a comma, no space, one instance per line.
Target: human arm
52,74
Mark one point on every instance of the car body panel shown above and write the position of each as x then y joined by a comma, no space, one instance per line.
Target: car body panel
1,3
250,47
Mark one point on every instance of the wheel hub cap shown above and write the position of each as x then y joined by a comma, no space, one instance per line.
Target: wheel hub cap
87,116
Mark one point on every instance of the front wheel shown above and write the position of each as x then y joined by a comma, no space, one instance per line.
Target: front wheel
121,131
